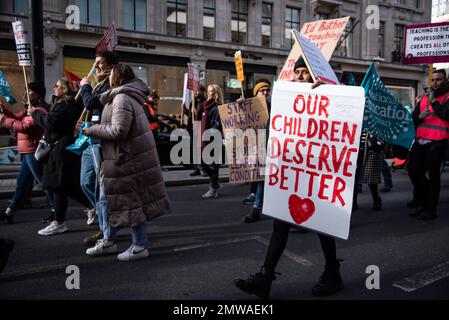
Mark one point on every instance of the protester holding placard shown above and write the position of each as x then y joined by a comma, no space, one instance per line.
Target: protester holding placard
61,169
210,119
431,117
28,135
260,283
199,99
262,88
90,159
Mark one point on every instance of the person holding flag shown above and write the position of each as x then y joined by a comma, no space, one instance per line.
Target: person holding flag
431,117
330,281
28,135
90,159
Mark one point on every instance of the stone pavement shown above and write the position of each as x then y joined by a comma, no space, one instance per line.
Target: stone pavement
173,176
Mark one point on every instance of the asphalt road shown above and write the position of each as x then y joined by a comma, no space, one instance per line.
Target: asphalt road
198,250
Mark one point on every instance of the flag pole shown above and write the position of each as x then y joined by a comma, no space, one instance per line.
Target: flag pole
26,79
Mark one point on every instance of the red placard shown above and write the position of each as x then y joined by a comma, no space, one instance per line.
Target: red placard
108,41
193,81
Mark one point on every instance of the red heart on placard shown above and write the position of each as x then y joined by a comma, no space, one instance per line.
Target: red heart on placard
300,209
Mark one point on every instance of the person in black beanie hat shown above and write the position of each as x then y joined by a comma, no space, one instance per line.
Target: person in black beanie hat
39,88
330,281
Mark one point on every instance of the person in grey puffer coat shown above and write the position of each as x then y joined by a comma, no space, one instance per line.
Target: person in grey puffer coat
130,169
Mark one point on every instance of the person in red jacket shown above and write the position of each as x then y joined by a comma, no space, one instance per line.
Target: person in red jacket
28,135
431,117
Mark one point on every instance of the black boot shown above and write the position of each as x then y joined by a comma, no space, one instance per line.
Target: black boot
253,216
377,204
330,281
6,247
258,284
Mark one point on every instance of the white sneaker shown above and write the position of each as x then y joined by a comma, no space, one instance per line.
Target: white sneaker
52,229
91,215
102,247
133,253
212,193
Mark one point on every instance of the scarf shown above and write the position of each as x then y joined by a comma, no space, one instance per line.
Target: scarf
204,113
101,80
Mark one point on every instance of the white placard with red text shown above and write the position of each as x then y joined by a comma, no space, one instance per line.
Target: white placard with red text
312,155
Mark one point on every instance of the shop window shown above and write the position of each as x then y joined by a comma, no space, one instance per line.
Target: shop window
19,7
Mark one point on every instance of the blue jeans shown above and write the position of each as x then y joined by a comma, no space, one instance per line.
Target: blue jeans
88,174
103,215
259,195
139,235
29,169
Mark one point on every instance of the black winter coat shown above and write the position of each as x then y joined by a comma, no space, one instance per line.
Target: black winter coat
62,168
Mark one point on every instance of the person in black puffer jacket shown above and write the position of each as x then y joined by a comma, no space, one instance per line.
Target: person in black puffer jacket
62,168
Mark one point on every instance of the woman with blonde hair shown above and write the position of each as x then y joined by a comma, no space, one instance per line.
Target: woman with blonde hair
210,119
130,171
61,170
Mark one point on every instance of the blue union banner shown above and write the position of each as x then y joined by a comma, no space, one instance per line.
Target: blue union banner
5,90
385,116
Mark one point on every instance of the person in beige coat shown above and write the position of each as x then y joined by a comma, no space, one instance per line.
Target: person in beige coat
130,171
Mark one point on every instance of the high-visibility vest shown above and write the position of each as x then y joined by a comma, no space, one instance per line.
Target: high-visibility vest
153,124
433,127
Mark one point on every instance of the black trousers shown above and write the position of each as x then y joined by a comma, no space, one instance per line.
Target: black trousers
423,158
212,172
278,242
61,200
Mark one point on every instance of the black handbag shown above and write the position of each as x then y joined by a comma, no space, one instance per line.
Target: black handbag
43,150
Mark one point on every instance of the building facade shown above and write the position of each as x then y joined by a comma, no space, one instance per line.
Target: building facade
159,37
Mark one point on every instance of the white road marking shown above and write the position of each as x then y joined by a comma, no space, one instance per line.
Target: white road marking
288,253
424,278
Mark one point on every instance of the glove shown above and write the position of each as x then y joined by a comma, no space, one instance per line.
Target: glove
424,114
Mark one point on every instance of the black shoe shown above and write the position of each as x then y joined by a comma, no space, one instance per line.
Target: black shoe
9,219
416,212
258,284
428,215
253,216
386,188
377,205
413,204
49,219
6,247
195,173
330,282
